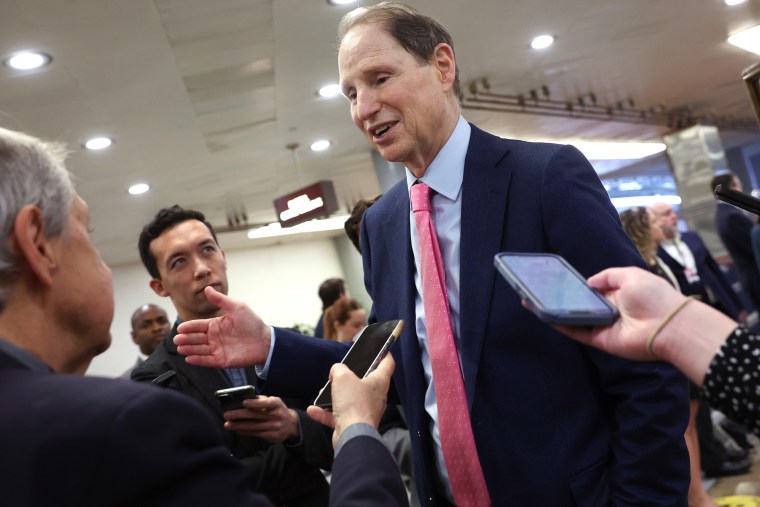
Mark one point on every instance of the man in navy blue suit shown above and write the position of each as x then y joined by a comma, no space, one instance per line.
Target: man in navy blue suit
554,424
693,266
87,441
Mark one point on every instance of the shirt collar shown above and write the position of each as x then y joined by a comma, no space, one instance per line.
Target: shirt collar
24,357
446,171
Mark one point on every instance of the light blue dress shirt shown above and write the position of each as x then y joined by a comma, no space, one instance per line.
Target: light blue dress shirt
444,175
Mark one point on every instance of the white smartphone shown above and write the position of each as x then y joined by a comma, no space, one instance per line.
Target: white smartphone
554,291
368,349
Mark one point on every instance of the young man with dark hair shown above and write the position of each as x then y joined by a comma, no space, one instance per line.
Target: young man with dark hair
281,446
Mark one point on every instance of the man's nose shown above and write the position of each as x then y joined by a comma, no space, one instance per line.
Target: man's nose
367,105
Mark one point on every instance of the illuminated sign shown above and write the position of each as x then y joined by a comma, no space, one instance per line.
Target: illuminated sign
302,205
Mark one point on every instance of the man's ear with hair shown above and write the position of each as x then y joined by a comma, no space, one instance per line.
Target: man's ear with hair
158,287
30,245
443,61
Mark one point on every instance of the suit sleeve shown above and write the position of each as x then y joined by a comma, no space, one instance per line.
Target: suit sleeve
178,451
300,365
364,474
315,447
648,402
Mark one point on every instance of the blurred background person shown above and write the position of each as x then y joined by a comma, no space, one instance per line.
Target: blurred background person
735,231
354,220
329,292
149,326
694,267
640,225
343,320
698,274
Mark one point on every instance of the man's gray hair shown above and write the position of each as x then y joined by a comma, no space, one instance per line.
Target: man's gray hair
416,33
31,172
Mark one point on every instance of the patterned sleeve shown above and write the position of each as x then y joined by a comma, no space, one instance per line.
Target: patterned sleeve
732,382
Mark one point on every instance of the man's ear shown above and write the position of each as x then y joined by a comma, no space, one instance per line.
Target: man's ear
31,246
443,60
158,287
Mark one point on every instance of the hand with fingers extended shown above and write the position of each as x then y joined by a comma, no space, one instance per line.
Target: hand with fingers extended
355,400
238,339
655,323
264,417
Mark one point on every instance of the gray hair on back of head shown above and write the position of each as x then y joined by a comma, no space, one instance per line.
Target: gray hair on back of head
31,172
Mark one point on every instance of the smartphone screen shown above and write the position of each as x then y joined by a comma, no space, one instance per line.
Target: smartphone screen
368,349
554,290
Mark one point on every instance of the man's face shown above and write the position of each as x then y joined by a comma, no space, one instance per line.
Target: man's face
402,108
84,287
150,325
188,261
666,218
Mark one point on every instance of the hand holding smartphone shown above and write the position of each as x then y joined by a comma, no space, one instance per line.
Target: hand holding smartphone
554,291
368,349
232,398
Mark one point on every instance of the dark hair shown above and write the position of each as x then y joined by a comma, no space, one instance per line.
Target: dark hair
166,219
636,225
340,311
354,221
330,291
416,33
726,179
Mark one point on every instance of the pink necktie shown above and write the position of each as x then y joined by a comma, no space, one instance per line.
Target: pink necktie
457,441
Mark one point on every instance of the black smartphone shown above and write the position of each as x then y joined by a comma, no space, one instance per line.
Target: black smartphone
368,349
554,291
740,199
232,398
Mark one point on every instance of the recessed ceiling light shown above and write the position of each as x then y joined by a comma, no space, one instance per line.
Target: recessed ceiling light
542,42
98,143
27,60
320,145
139,188
748,40
329,91
341,2
731,3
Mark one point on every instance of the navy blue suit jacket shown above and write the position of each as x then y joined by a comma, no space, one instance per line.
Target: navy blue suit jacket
710,276
555,423
734,229
85,441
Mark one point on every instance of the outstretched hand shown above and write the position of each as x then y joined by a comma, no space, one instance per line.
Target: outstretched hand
355,400
238,339
643,300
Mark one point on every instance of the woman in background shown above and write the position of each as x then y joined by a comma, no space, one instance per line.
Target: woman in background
343,320
640,225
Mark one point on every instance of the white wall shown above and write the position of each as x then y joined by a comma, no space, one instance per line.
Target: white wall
279,282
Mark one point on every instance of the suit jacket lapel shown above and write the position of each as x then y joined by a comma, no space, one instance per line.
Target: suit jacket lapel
205,380
484,197
402,260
